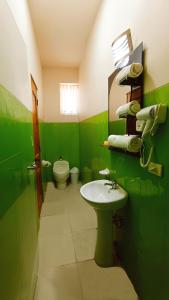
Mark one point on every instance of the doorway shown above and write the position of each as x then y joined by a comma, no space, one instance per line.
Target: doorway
36,144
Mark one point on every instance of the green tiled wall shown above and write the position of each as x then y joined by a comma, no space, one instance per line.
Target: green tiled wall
93,157
60,139
144,248
118,126
18,204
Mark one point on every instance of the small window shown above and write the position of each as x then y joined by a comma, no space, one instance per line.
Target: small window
122,47
69,94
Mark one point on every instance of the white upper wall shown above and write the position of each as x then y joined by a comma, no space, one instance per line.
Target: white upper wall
51,79
21,15
148,21
13,57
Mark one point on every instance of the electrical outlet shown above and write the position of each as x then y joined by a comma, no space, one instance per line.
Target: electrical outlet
155,168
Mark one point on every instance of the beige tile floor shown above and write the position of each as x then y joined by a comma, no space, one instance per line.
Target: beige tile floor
67,240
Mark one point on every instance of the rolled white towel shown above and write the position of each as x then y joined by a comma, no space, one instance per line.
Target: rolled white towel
131,143
133,71
130,108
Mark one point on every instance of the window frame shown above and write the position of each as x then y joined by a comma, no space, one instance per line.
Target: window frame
62,110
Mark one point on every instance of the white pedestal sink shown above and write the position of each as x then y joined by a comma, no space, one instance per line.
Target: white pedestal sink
105,201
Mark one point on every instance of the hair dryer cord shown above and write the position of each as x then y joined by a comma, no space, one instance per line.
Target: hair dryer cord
142,157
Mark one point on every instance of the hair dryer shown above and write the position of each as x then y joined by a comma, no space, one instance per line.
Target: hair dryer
149,118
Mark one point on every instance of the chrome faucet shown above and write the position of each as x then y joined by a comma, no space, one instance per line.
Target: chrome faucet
113,184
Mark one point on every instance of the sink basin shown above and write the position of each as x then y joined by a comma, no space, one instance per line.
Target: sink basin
105,201
101,195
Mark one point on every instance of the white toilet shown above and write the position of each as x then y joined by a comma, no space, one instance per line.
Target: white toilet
61,173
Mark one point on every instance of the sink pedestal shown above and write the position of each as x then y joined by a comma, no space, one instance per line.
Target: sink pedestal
106,200
104,253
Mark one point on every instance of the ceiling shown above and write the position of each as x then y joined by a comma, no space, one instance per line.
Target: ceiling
62,28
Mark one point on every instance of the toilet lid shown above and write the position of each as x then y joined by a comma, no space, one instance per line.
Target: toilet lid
61,170
61,166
